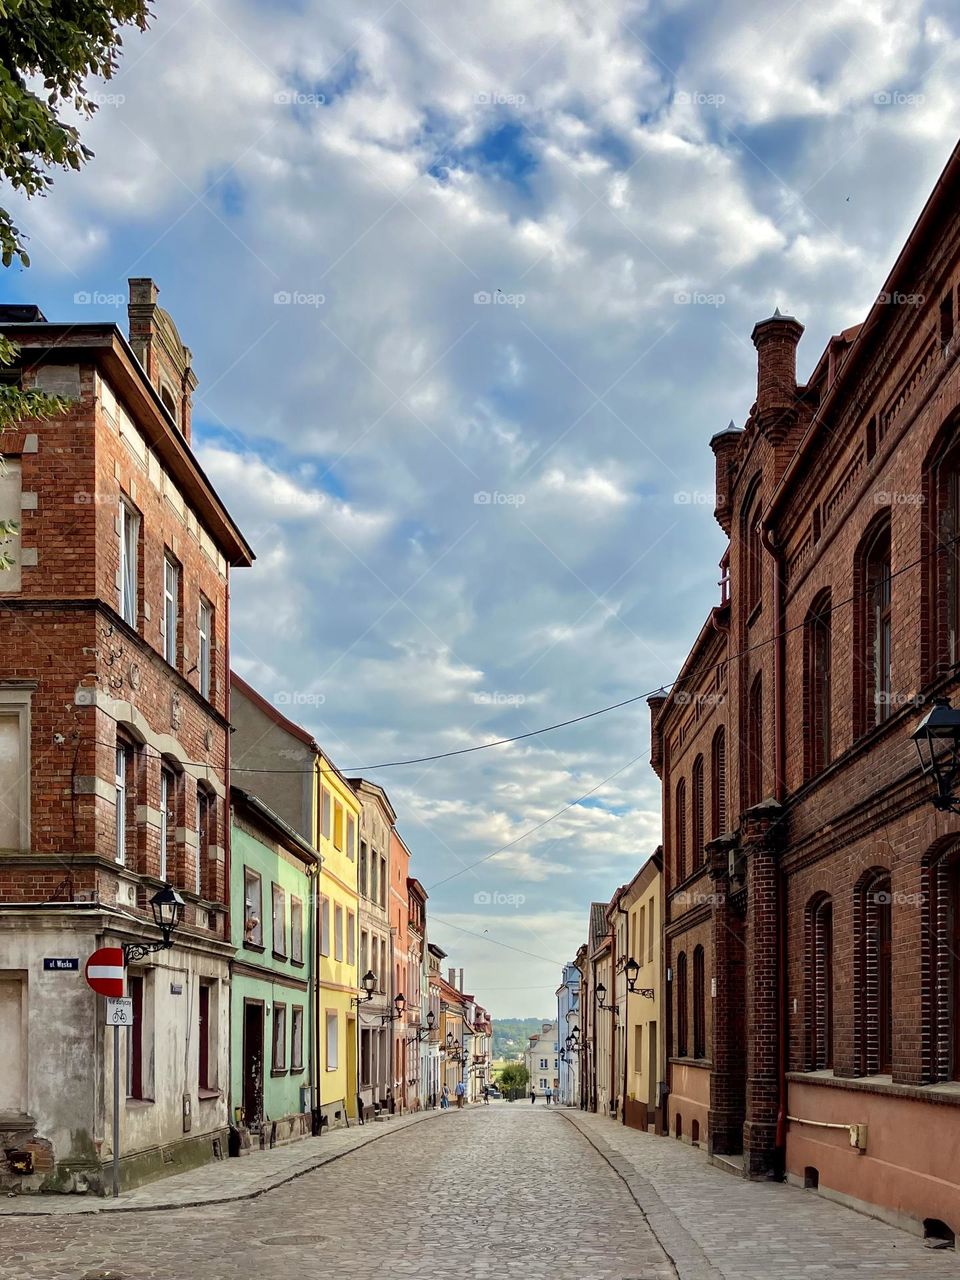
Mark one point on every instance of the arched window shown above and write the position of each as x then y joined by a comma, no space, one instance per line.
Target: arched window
699,1006
753,770
819,983
697,782
718,783
873,636
873,1032
752,549
680,985
943,966
817,640
681,830
940,546
206,802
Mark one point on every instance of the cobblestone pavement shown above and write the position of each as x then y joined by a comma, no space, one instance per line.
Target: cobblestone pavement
717,1226
490,1192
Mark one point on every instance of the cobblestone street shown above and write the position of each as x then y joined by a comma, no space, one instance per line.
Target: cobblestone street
506,1190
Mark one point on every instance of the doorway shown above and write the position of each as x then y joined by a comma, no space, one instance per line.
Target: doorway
653,1071
253,1064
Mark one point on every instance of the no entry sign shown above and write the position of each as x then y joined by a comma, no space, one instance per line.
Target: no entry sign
104,971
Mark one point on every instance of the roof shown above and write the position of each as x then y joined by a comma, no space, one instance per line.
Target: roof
711,631
378,792
42,341
275,824
436,951
598,923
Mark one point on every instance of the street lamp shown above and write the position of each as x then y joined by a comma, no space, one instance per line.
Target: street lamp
399,1004
369,984
422,1032
937,739
601,996
167,907
632,970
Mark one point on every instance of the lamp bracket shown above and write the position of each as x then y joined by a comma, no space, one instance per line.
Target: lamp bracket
133,951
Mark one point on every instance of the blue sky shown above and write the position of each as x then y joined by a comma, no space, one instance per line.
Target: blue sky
524,246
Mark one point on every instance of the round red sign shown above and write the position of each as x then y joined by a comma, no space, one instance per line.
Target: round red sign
104,971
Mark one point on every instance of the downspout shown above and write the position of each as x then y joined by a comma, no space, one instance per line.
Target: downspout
227,844
779,748
626,1027
594,1099
613,1017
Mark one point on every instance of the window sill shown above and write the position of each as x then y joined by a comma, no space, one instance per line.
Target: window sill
279,1071
297,964
253,946
297,1070
279,955
944,1092
208,1095
138,1104
692,1062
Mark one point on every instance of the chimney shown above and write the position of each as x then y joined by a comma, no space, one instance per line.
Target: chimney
452,977
776,343
156,344
655,703
725,445
460,983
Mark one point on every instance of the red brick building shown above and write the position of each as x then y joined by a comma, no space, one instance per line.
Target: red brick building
114,752
812,890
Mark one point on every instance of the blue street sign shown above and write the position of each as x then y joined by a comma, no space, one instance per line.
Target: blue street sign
61,964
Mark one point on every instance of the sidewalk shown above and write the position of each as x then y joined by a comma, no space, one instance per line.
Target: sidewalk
221,1181
716,1226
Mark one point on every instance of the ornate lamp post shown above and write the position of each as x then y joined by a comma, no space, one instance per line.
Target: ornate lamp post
369,984
167,907
937,739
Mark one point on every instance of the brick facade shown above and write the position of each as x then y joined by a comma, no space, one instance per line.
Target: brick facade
834,882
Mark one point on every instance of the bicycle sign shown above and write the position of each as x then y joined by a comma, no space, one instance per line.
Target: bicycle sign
119,1012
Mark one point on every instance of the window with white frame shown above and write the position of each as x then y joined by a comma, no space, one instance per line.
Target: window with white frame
296,930
168,786
171,601
205,645
252,908
279,921
124,760
296,1038
14,769
338,933
333,1040
351,938
129,541
324,926
10,510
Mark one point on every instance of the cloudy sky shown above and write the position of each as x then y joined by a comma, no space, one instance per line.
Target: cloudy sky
469,287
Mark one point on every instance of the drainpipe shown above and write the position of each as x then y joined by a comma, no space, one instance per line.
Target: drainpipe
613,1017
227,824
626,1026
779,747
593,1037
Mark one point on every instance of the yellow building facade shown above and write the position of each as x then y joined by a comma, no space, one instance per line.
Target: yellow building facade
643,1020
336,833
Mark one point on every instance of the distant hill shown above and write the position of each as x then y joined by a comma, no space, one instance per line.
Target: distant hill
511,1035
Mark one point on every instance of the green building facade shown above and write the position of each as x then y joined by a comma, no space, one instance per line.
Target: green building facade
273,874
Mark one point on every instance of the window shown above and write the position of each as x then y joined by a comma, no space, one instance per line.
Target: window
650,925
279,1037
166,797
10,511
204,646
374,863
296,1038
135,1039
129,542
296,930
681,830
754,744
337,825
351,836
324,926
205,812
338,932
279,921
333,1040
363,868
873,1033
817,700
384,971
325,813
752,549
943,967
699,1006
819,983
718,783
351,938
680,981
124,811
697,780
873,648
205,1079
14,769
252,909
364,951
946,318
171,607
383,882
940,546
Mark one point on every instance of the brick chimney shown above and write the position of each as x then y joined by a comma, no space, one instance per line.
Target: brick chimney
452,977
460,983
725,445
157,345
776,343
655,703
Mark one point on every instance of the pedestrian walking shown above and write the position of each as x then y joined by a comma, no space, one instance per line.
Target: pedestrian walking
549,1095
486,1096
445,1098
460,1091
533,1096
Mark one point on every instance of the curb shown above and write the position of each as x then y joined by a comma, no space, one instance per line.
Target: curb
280,1181
682,1251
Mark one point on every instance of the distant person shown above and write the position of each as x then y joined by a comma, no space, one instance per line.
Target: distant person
486,1096
445,1098
460,1090
533,1096
549,1095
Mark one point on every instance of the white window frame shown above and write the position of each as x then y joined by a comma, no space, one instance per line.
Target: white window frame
17,702
165,779
325,927
171,599
332,1021
120,781
351,938
129,541
338,932
204,644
